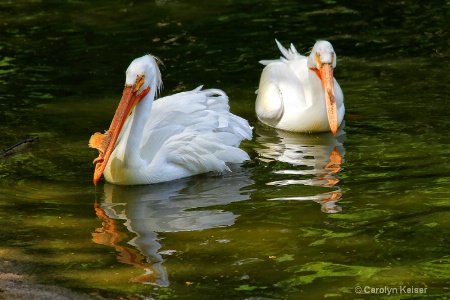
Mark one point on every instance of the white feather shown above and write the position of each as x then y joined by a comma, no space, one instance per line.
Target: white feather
182,135
290,95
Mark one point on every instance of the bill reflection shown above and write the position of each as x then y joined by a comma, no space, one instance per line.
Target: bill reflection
148,210
310,160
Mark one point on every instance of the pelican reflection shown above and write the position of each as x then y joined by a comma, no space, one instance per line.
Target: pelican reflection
311,160
167,207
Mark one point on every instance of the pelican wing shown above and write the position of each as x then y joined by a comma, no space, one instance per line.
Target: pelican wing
196,131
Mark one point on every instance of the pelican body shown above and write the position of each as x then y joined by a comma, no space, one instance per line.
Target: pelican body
173,137
299,93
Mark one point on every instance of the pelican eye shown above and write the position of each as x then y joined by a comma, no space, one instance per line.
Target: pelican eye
139,82
319,62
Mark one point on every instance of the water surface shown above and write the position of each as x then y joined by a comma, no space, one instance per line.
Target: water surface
309,216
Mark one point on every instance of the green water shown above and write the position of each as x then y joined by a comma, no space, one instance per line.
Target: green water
286,225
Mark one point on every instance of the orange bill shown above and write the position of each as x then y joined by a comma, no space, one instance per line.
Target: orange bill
326,75
105,142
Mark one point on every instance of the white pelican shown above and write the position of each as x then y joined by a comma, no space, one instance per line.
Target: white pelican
173,137
299,93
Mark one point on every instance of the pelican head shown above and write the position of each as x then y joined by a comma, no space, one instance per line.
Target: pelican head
141,76
142,73
322,61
